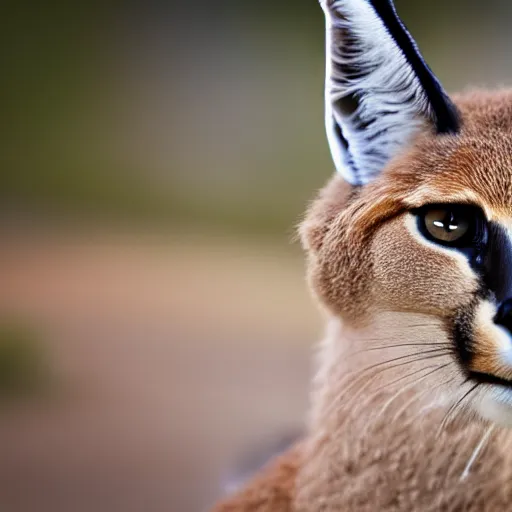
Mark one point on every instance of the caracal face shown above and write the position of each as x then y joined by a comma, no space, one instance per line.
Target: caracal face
426,228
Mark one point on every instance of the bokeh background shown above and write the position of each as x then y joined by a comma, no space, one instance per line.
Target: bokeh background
155,158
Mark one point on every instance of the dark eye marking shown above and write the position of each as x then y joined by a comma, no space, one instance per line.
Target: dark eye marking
487,245
497,265
458,226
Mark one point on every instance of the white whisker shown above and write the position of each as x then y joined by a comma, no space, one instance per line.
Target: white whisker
476,451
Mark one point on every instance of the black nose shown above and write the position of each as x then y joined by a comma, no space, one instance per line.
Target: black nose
504,315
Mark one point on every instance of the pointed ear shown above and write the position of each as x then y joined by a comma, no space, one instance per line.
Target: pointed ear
379,91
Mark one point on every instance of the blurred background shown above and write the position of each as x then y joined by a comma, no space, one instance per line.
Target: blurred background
155,158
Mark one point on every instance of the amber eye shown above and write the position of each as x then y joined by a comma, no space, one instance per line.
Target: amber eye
448,224
461,226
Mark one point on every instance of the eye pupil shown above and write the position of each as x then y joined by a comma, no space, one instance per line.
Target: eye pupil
445,224
461,226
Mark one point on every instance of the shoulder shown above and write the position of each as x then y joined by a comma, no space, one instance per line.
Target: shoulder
272,490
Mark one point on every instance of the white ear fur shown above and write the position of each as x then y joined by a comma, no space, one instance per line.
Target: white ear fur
375,101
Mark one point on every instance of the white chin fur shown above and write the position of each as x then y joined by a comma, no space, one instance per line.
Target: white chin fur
496,405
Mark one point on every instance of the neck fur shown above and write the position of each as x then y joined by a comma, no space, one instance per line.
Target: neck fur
379,398
359,366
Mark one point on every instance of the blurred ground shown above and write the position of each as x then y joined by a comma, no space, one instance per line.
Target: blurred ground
175,357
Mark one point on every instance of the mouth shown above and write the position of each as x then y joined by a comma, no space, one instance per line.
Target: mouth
483,350
483,353
486,378
494,398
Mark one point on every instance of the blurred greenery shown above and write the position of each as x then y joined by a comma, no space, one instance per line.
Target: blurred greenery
239,89
23,365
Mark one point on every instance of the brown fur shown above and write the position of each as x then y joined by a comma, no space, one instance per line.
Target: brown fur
370,447
273,490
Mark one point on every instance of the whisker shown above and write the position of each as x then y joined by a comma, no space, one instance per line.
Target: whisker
383,347
414,373
432,404
371,379
416,381
419,395
476,451
404,389
454,407
422,356
431,351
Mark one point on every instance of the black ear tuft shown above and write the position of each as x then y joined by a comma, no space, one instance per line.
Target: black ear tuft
379,90
444,112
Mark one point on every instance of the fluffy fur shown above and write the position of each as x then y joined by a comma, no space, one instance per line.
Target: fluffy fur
384,435
416,367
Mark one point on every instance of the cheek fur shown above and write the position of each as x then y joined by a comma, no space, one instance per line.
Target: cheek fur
412,274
